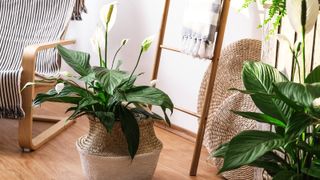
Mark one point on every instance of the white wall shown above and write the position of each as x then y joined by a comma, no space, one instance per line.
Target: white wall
180,75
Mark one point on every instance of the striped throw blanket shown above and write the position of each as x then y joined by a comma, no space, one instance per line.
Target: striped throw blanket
23,23
199,27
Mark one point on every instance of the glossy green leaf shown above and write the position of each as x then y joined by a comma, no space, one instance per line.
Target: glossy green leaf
313,171
285,175
107,119
150,96
259,77
130,129
297,124
69,94
78,61
110,79
248,146
261,118
270,162
88,78
147,113
221,151
301,94
314,76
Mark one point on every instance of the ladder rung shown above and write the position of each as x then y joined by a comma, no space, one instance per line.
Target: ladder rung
170,48
187,112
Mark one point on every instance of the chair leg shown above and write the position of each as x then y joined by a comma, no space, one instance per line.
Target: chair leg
27,142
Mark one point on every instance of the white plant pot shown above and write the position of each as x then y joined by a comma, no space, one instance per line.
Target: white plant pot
105,156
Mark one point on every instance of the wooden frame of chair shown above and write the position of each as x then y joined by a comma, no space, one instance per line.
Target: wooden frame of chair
213,65
26,141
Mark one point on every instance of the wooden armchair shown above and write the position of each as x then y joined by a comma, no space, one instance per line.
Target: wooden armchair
29,32
26,141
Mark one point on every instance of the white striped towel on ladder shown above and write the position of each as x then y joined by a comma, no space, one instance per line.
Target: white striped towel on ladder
24,23
201,19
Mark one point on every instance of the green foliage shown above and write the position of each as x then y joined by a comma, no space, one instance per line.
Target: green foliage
276,12
293,150
109,95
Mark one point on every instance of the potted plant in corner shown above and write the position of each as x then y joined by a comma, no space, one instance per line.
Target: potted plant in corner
290,104
121,143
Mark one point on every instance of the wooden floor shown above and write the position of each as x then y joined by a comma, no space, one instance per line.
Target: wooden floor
59,159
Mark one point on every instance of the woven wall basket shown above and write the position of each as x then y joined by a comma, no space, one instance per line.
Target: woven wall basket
222,124
105,155
228,76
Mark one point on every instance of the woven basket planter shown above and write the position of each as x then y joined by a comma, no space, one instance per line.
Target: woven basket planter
105,155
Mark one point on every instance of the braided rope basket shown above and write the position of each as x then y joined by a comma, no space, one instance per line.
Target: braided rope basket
228,76
222,124
228,125
105,155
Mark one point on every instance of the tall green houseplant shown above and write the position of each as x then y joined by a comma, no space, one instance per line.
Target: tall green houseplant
292,150
109,94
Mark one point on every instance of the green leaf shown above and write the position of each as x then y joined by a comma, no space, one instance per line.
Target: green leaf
259,77
70,94
285,175
253,92
315,149
85,105
221,151
88,78
151,96
297,124
130,129
313,171
147,113
261,118
107,119
248,146
300,94
285,99
270,162
314,76
78,61
110,79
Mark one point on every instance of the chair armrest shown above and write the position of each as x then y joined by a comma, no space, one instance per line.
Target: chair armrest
30,55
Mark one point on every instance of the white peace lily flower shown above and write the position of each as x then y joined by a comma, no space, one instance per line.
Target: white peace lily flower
97,40
59,87
283,39
108,13
294,14
153,82
316,103
146,43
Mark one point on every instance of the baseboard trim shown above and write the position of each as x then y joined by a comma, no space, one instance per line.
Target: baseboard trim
179,131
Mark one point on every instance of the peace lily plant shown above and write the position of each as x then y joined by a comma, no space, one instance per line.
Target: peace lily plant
291,105
109,93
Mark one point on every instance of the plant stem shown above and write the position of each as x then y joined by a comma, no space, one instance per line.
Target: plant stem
106,47
140,54
303,23
303,54
100,56
115,55
296,64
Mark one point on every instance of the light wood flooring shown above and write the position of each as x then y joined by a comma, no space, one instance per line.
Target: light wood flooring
59,159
